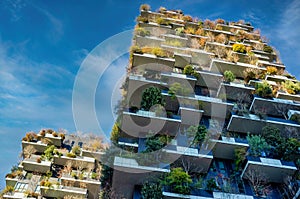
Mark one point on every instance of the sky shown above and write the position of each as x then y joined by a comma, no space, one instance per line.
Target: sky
44,46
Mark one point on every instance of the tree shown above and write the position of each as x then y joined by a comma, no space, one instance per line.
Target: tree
115,134
257,179
229,76
263,89
189,165
178,89
197,133
258,145
273,137
291,148
240,156
151,190
282,109
179,181
153,143
150,97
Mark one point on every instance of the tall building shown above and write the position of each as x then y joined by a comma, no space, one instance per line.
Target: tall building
208,112
55,165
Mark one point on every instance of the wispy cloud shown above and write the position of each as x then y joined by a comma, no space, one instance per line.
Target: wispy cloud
14,7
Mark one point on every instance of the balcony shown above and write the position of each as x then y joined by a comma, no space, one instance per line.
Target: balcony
267,63
92,154
253,124
145,121
279,78
149,41
209,79
287,96
38,146
171,78
274,170
220,66
233,91
59,191
230,27
181,60
248,27
271,56
225,147
31,164
85,162
56,141
274,107
143,59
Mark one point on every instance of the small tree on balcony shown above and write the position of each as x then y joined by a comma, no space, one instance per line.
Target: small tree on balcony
28,151
189,70
151,190
229,76
239,48
258,145
197,134
151,96
263,90
144,7
257,179
179,181
178,89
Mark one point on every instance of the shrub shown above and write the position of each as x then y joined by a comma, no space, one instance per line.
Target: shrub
145,7
142,32
197,133
179,180
291,87
174,43
263,90
38,160
271,70
62,135
220,21
229,76
142,19
190,30
199,31
295,117
162,21
179,31
268,49
178,89
55,134
151,191
136,49
221,38
187,18
150,97
43,132
258,145
209,24
71,155
211,184
8,189
189,70
240,48
76,150
162,9
159,52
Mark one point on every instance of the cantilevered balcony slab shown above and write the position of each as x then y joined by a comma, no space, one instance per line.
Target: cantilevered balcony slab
171,37
274,107
190,116
31,164
225,147
38,146
85,162
233,91
171,78
267,63
128,173
248,27
253,124
56,141
226,27
181,60
285,95
143,59
271,56
146,121
209,79
279,78
220,66
200,57
149,41
59,191
92,154
274,170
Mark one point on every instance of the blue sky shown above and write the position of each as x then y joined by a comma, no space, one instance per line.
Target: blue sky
42,45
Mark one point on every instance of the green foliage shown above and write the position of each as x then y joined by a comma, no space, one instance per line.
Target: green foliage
151,191
48,174
268,49
291,87
292,152
136,49
142,19
156,142
273,137
151,96
240,48
239,157
145,7
211,185
71,155
76,150
179,31
115,134
49,152
257,145
178,89
189,70
7,189
159,52
197,133
142,32
162,21
263,90
295,117
229,76
179,181
174,42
